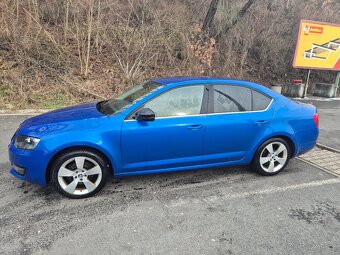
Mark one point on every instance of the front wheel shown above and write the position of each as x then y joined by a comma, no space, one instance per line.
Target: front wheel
271,157
79,173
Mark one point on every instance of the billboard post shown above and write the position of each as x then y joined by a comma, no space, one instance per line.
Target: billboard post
306,86
337,80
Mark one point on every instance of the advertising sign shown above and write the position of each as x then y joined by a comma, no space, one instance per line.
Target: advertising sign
318,46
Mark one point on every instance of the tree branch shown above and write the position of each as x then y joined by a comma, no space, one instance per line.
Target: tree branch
239,15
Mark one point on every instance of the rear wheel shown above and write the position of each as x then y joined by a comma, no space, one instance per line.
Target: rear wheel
271,157
79,173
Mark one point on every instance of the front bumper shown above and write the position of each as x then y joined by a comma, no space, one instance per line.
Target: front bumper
33,161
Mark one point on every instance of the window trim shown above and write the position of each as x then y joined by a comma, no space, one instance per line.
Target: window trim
204,106
210,105
205,101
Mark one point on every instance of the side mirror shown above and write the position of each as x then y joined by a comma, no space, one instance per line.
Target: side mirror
145,114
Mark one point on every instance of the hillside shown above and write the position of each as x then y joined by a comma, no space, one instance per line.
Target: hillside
59,52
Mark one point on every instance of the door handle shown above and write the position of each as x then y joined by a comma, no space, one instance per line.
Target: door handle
194,126
261,122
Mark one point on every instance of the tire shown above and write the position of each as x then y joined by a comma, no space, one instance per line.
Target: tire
79,173
271,157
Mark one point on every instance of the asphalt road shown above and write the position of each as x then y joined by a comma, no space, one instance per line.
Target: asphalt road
211,211
329,117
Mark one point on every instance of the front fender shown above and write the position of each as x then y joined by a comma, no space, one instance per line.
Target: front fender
107,143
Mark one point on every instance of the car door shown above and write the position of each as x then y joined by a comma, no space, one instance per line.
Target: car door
237,118
174,139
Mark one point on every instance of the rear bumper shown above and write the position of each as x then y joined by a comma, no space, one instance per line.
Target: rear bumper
33,161
307,140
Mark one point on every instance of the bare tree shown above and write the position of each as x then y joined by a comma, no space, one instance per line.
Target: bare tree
89,33
77,51
239,16
67,11
210,16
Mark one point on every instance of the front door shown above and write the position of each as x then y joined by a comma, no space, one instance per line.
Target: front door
174,139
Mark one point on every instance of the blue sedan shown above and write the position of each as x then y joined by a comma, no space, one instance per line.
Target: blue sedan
163,125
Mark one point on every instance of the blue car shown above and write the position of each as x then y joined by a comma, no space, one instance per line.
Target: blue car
163,125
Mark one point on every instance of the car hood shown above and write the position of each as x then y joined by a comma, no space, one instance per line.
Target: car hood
78,117
73,113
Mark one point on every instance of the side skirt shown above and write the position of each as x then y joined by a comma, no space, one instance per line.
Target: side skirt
169,170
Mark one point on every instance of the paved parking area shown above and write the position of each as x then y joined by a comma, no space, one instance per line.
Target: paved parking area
210,211
327,159
329,112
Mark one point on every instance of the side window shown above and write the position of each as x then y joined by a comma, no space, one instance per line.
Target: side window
260,101
230,98
178,102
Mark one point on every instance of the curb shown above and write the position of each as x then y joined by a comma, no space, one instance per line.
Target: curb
325,147
27,112
322,99
319,167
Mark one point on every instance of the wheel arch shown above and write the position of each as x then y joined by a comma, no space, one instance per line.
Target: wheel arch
72,148
288,139
290,143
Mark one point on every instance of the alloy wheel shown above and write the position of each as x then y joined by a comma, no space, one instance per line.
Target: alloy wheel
79,175
273,157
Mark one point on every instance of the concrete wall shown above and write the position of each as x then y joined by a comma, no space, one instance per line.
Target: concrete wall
293,90
324,90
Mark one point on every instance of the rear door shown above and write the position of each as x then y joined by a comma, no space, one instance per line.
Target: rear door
237,118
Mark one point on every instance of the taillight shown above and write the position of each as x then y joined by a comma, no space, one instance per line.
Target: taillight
316,119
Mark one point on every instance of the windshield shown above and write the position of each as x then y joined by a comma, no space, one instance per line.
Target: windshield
129,97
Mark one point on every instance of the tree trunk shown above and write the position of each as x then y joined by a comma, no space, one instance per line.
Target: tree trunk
210,16
89,31
98,27
239,15
66,18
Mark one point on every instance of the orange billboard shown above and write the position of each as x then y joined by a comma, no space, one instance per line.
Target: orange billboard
318,46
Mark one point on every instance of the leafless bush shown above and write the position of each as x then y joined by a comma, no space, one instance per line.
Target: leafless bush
202,47
76,50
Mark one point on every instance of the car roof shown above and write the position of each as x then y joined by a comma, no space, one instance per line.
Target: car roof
185,80
170,80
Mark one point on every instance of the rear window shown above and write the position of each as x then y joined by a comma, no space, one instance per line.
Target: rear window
231,99
234,98
260,101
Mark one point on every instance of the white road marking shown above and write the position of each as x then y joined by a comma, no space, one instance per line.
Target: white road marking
180,202
283,189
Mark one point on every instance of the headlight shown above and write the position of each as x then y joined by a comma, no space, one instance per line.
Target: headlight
26,142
